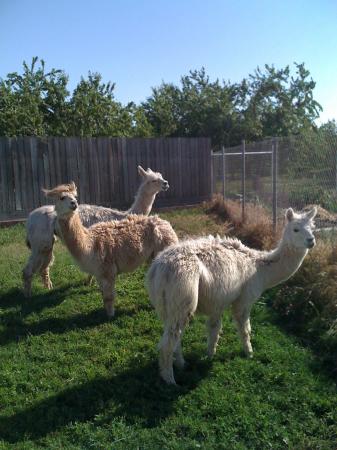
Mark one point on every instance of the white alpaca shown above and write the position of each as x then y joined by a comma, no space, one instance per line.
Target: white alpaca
207,275
41,225
108,248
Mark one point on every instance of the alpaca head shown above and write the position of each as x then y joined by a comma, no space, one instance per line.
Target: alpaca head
65,197
153,182
298,231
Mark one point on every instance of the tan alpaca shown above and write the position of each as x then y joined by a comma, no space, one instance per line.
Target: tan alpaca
209,274
108,248
41,225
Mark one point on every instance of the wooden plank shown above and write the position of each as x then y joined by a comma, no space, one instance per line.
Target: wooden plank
104,169
46,164
64,177
115,195
57,161
3,177
83,185
40,171
109,188
33,163
22,172
96,172
125,170
133,173
51,159
16,171
28,183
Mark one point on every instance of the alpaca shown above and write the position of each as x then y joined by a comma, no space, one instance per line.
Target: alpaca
108,248
206,275
41,225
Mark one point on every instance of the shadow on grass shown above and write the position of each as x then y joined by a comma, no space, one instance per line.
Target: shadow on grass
325,356
137,395
14,298
17,329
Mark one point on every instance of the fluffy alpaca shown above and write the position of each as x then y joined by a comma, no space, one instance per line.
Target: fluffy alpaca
41,225
207,275
108,248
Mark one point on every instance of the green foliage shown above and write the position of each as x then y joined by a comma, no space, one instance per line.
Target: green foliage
269,102
33,103
274,103
72,379
37,103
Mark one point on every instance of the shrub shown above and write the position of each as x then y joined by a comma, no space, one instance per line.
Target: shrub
255,231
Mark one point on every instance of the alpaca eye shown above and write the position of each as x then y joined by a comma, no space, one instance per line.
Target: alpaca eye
296,230
63,197
154,181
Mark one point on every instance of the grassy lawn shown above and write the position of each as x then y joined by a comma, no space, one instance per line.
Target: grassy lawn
71,379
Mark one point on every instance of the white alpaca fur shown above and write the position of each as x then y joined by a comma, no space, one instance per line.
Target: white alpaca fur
108,248
41,225
207,275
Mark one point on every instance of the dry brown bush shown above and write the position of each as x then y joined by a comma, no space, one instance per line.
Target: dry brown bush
255,231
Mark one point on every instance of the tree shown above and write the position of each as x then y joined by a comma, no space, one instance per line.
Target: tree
274,103
33,103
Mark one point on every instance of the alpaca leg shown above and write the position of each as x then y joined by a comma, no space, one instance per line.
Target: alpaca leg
168,344
108,290
34,263
214,329
48,259
179,360
241,318
89,281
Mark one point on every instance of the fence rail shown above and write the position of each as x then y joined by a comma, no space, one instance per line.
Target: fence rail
279,172
104,169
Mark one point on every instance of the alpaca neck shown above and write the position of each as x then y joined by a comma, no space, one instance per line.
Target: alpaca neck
143,202
281,263
74,235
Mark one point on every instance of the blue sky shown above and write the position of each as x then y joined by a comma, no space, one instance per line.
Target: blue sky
138,44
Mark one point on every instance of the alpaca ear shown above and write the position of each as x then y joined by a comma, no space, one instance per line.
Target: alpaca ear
72,188
141,171
149,170
290,214
49,193
311,214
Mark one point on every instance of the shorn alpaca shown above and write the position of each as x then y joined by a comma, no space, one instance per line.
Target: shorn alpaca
42,221
207,275
108,248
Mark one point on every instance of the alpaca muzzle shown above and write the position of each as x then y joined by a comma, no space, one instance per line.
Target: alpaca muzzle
165,186
311,242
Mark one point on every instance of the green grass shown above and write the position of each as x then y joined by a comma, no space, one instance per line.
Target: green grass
71,379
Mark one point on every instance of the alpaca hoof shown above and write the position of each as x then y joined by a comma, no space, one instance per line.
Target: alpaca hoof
211,353
48,285
110,313
249,355
89,281
179,364
168,377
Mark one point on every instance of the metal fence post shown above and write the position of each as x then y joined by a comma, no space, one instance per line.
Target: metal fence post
243,149
274,180
223,173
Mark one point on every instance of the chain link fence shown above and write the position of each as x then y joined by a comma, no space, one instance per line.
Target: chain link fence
278,173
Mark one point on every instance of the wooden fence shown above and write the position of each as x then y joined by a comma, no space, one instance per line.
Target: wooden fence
104,169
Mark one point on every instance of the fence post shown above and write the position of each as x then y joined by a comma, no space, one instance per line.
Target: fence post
243,179
223,173
274,180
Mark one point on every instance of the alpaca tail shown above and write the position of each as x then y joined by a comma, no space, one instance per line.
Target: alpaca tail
174,294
